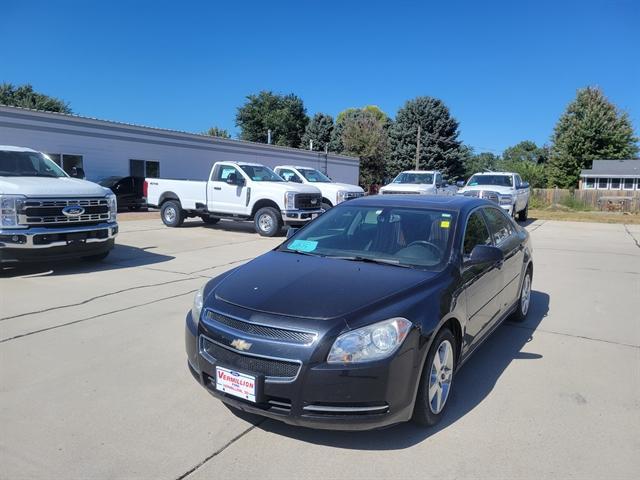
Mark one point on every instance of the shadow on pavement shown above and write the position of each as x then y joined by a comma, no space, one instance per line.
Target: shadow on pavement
473,383
122,256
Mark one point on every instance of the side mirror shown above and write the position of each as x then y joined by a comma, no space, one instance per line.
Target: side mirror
460,183
524,185
291,232
234,179
484,254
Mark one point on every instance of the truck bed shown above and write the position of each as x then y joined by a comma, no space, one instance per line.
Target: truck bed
189,192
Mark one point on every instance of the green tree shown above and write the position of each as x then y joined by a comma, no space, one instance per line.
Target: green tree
363,134
335,145
474,163
591,128
534,173
440,148
318,130
284,115
217,132
526,151
24,96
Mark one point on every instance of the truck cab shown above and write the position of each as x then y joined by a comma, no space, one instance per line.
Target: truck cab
47,215
421,182
333,193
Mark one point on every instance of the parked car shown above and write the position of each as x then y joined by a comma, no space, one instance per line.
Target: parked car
417,182
128,191
504,188
333,193
361,318
237,191
47,215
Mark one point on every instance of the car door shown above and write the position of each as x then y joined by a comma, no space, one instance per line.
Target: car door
506,238
224,197
521,193
482,283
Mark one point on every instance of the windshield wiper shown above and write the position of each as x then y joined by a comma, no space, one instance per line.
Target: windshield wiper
309,254
381,261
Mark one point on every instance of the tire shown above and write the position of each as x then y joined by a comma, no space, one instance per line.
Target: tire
524,214
172,214
524,300
325,206
97,258
427,411
210,220
267,222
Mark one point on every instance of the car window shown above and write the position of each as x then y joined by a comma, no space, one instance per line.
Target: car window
476,232
499,225
289,175
518,181
224,171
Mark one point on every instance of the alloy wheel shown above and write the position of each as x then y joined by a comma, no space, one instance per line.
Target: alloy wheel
170,215
440,377
525,295
265,222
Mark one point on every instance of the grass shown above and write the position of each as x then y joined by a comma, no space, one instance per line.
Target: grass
566,214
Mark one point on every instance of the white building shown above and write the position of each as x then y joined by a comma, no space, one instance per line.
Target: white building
105,148
611,175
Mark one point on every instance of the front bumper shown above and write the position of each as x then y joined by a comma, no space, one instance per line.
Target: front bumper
320,395
42,243
300,216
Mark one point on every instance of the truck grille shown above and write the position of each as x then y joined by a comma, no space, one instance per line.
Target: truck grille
282,369
487,195
50,211
272,333
386,192
352,195
308,201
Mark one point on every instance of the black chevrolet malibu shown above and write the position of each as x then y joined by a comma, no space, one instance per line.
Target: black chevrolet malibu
361,319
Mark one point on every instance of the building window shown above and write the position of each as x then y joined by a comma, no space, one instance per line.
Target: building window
615,184
603,183
589,182
628,184
144,168
56,157
69,163
638,183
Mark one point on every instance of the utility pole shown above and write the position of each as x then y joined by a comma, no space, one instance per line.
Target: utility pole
418,149
269,136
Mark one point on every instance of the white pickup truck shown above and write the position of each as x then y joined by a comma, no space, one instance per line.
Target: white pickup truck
237,191
504,188
47,215
333,193
418,182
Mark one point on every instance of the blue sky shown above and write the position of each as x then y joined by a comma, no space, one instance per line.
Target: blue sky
506,69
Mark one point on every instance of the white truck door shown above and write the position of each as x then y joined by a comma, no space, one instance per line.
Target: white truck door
521,193
227,190
438,184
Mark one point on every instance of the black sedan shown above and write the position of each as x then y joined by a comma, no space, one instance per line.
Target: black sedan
128,191
361,318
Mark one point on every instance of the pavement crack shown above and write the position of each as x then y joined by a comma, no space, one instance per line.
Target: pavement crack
582,337
535,227
626,228
221,449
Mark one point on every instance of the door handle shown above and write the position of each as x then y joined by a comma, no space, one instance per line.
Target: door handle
217,188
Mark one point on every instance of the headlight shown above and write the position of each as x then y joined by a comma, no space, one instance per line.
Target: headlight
373,342
196,309
290,200
113,207
10,205
506,199
340,195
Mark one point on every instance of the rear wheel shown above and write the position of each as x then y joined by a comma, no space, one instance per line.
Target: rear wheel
172,213
524,214
524,301
268,222
437,380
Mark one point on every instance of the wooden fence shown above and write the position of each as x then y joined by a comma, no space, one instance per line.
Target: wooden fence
604,200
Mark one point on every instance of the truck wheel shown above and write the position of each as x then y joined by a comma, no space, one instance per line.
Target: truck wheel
268,222
524,214
210,220
172,213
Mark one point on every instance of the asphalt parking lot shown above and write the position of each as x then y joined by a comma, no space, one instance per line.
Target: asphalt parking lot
94,383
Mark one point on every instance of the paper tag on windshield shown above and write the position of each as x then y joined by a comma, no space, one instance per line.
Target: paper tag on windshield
303,245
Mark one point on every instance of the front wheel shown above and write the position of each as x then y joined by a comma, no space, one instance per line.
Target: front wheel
268,222
524,214
437,380
524,301
172,213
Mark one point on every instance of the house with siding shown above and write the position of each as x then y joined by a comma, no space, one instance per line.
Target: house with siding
613,175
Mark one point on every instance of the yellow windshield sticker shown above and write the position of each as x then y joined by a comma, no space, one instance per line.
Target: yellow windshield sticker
445,223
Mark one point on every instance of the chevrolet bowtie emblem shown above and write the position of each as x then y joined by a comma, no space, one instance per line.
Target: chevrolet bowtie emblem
241,345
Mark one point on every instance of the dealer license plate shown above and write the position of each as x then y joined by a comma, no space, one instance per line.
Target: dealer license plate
236,384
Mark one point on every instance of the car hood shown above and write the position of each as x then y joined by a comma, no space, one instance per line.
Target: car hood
289,187
488,188
302,286
47,187
335,187
407,187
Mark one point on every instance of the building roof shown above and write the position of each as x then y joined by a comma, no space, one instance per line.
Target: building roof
621,168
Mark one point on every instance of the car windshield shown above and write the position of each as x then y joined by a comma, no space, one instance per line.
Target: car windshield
28,164
415,178
395,236
496,180
314,176
260,173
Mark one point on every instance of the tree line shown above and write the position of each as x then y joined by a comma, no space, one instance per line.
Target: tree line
423,133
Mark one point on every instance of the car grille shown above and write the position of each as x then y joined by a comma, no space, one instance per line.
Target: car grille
487,195
272,333
282,369
308,201
49,211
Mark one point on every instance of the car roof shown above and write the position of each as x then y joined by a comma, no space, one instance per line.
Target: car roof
494,173
455,203
297,167
12,148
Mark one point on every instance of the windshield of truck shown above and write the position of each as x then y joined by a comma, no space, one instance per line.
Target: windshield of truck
397,236
415,178
496,180
28,164
260,173
314,176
